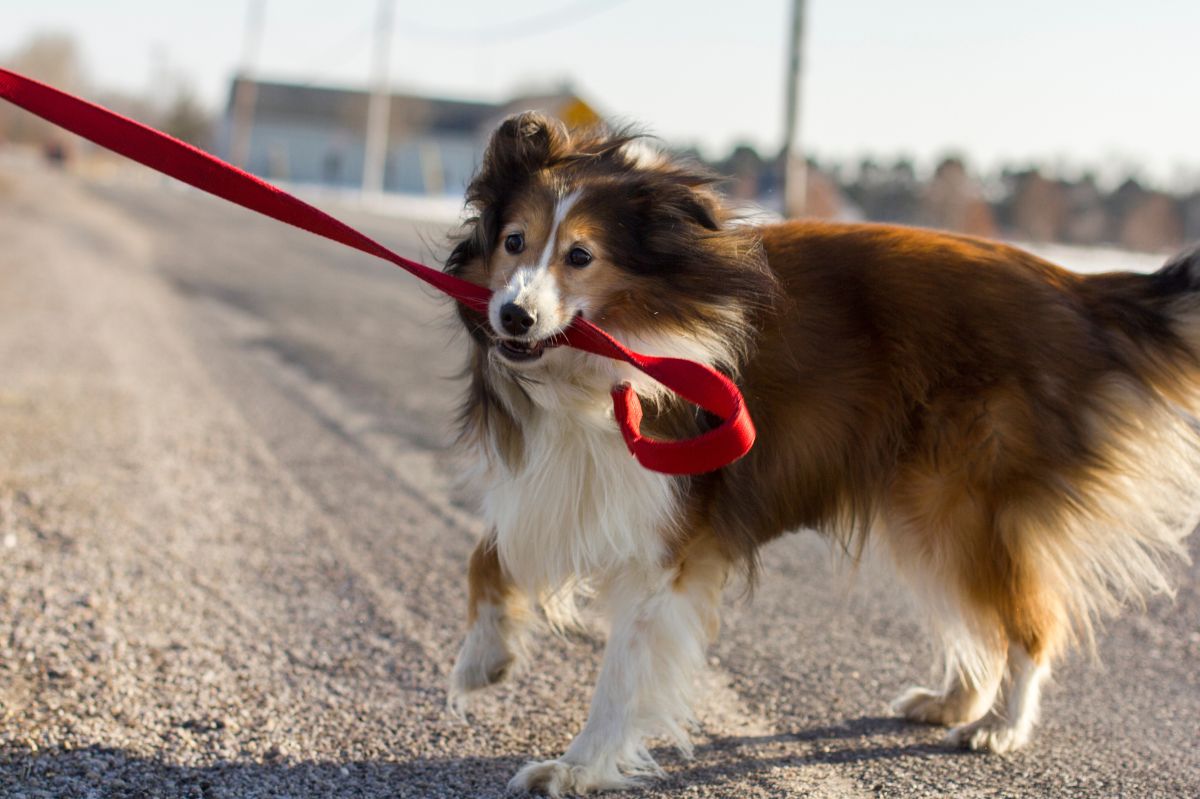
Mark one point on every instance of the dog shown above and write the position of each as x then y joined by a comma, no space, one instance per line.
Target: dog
1017,438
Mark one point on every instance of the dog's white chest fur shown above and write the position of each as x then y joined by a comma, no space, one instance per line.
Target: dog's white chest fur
579,506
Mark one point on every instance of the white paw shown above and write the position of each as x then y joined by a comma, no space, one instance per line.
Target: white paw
990,733
472,673
558,777
920,704
933,707
485,659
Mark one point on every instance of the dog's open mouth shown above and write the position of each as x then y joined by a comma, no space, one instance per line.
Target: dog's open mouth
517,350
520,351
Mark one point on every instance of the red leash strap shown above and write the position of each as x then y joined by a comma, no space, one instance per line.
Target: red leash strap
197,168
694,382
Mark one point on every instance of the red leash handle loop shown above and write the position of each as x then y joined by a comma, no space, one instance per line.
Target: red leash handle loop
697,383
706,452
694,382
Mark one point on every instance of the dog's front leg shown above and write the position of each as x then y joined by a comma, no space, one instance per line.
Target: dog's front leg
660,626
498,620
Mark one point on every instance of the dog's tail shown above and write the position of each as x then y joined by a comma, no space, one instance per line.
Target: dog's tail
1177,286
1129,519
1153,324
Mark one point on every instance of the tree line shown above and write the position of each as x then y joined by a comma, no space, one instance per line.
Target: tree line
1025,203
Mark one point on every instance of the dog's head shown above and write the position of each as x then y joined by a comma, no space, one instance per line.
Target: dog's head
601,226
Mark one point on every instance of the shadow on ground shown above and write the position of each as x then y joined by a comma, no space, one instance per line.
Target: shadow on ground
117,774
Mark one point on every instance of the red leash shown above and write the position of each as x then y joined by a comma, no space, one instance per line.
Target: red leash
695,382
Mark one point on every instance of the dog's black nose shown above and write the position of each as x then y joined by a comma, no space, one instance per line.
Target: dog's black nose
515,320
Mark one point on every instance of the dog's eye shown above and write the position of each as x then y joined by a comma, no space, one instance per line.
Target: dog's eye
514,243
579,257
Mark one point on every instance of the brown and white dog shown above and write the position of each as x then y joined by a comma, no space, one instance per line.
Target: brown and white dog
1018,438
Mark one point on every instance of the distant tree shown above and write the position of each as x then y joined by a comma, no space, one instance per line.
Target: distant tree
1087,222
903,172
744,167
883,193
186,119
1121,202
1190,211
51,58
900,198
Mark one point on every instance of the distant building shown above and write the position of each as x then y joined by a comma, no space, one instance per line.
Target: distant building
313,134
953,200
1040,207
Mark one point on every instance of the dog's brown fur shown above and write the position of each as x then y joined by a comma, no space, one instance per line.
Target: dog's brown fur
953,377
969,405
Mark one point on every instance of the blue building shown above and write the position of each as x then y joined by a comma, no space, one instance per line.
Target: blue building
312,134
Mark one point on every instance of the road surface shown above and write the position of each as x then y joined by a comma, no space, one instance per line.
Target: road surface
232,554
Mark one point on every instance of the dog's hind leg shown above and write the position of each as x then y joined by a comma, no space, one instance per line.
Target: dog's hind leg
661,623
1000,628
941,537
1009,726
498,618
962,698
973,665
1033,620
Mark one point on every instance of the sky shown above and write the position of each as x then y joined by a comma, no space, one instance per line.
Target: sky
1072,84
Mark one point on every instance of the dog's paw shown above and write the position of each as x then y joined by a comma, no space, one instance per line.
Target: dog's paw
473,677
474,671
920,704
931,707
558,778
991,733
484,660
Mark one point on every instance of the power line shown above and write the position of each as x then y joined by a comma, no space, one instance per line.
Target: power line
348,48
533,25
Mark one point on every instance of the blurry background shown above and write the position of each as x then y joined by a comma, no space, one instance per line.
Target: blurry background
1068,121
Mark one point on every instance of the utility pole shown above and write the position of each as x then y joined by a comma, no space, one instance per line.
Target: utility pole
794,182
379,109
246,90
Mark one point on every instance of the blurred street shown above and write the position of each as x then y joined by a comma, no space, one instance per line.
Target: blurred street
233,559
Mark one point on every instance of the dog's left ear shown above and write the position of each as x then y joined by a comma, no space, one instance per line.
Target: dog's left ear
674,222
702,208
670,203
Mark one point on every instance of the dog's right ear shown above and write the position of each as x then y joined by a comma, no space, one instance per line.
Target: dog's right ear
522,145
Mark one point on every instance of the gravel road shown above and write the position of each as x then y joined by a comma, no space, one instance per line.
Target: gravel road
232,555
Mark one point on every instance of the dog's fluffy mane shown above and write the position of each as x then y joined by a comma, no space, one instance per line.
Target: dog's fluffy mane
690,265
